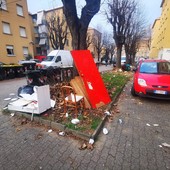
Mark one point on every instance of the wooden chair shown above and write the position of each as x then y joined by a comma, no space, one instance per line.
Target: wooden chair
71,99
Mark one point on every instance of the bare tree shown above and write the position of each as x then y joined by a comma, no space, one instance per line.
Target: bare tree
107,41
78,26
148,36
119,15
135,33
57,31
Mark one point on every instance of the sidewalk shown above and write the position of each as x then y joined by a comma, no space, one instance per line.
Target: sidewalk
105,68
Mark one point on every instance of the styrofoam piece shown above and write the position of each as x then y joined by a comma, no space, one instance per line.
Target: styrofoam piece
8,98
13,99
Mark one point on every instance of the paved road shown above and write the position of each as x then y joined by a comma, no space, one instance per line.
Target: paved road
9,86
133,144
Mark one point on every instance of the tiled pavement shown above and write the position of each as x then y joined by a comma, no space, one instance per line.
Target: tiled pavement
133,144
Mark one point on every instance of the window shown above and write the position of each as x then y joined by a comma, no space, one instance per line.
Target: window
20,10
25,51
22,32
10,50
6,28
3,4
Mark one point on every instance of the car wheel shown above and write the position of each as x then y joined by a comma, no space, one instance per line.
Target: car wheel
133,93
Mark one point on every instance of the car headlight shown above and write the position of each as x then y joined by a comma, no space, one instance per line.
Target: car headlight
142,82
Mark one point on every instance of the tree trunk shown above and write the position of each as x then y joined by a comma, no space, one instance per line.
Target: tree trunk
78,27
119,52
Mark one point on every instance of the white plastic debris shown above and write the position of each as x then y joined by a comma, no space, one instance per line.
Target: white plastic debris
61,133
53,102
12,114
160,146
120,121
13,99
75,121
6,99
5,108
50,130
12,94
155,125
107,113
105,131
91,141
66,114
166,145
148,124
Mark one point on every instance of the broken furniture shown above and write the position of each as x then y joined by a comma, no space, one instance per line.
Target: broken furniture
94,85
78,85
36,103
71,99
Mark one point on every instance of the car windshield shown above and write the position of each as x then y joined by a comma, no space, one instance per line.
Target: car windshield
49,58
155,67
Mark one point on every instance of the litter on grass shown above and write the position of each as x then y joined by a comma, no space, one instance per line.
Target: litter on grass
62,133
75,121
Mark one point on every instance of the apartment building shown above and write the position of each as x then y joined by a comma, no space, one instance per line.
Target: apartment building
41,31
160,43
143,48
15,31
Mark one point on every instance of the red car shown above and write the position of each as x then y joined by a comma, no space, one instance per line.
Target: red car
152,79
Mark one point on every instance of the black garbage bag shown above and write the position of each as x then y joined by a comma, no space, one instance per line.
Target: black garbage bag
27,89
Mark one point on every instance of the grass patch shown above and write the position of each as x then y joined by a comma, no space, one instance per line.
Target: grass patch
95,123
114,82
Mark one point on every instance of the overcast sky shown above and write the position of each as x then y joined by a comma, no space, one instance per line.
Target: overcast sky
150,8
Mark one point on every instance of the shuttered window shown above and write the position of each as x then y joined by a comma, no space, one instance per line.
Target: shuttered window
20,10
25,51
3,4
6,28
22,32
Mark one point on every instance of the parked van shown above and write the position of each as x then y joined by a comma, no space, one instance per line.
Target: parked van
58,58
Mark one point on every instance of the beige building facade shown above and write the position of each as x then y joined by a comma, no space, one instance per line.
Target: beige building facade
15,31
160,43
93,41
